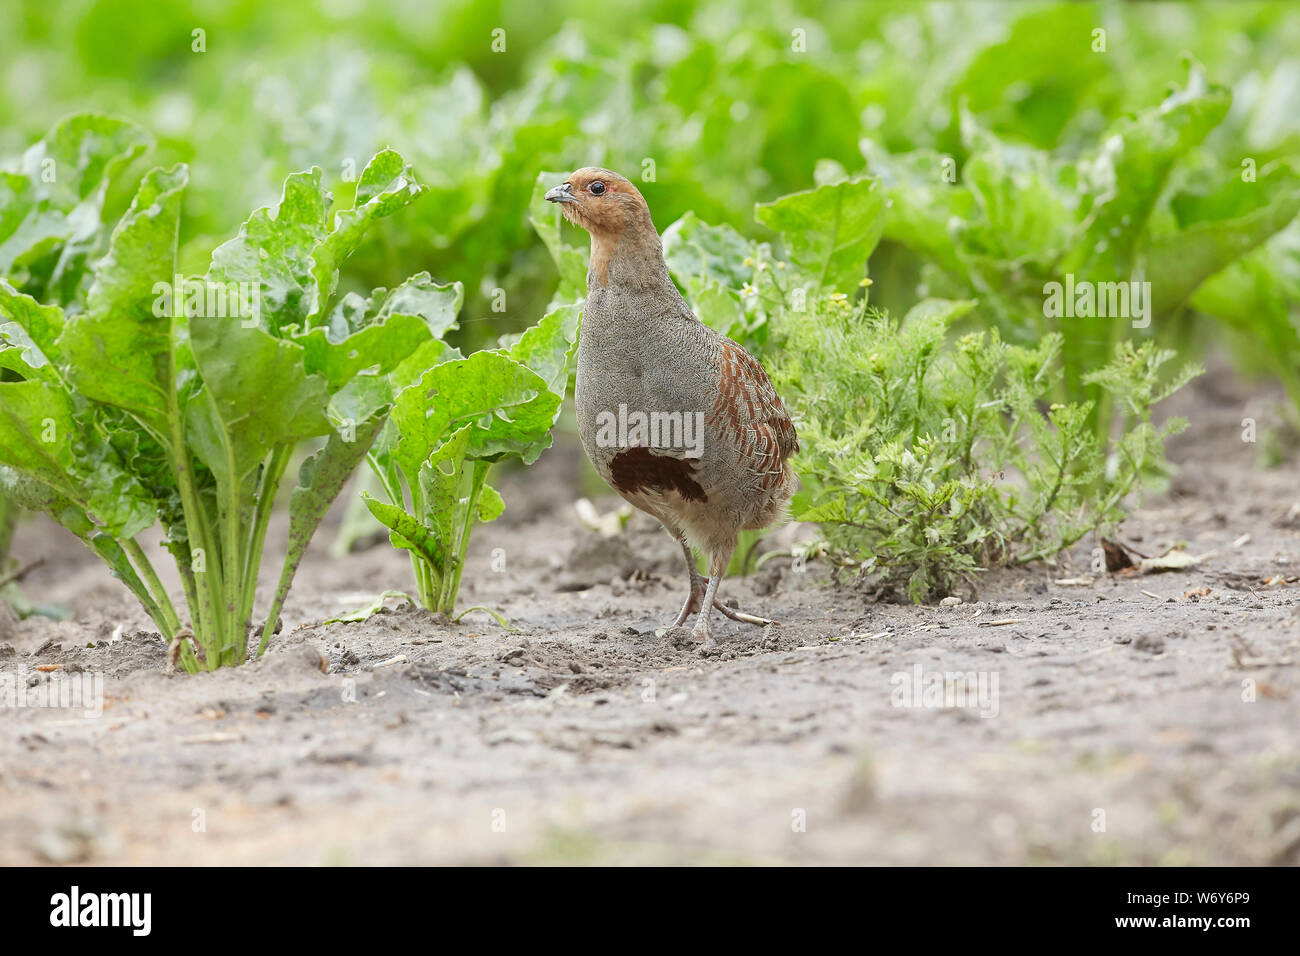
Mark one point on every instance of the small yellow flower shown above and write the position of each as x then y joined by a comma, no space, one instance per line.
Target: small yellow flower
864,283
749,260
780,265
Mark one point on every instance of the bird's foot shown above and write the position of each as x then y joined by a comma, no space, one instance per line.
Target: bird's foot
694,601
702,634
741,616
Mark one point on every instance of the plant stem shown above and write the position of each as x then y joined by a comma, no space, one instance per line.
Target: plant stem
146,570
452,575
271,476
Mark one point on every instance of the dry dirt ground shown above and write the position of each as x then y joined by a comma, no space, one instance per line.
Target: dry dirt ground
1137,719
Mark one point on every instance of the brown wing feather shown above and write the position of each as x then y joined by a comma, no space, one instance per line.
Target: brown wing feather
750,414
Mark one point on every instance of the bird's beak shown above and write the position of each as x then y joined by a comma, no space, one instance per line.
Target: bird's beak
561,193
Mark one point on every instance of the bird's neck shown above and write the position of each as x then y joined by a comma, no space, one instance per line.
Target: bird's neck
633,258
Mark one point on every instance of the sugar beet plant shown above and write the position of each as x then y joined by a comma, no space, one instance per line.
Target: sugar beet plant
180,400
449,424
52,224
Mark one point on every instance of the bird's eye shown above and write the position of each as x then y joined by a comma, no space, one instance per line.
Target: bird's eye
597,188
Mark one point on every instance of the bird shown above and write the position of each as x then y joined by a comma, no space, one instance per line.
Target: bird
719,459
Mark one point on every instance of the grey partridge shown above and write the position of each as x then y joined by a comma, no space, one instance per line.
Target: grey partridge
679,419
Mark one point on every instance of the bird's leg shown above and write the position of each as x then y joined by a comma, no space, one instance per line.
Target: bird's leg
703,628
703,631
694,600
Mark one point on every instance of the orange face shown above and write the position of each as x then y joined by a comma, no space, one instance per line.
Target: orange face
598,200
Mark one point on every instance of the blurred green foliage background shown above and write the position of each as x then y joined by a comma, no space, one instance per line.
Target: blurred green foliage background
732,102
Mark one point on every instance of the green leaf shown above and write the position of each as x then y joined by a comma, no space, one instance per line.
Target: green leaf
120,351
1123,179
700,255
510,407
1024,196
924,198
386,185
86,150
942,312
370,610
40,438
407,533
549,346
1218,228
273,251
31,330
1256,297
51,209
830,231
442,486
292,253
490,504
720,309
1054,72
36,428
256,395
381,332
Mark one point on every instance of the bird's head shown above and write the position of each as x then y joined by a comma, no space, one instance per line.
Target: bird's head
602,202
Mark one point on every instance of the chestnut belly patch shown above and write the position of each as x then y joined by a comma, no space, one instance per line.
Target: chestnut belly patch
637,469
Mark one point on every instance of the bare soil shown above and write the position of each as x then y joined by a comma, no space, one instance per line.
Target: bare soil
1139,719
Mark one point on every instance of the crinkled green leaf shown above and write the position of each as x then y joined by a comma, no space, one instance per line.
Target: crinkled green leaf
700,255
441,480
1124,178
51,208
273,251
381,332
256,395
36,428
1023,195
510,407
549,346
119,351
924,199
40,437
829,231
29,329
385,186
